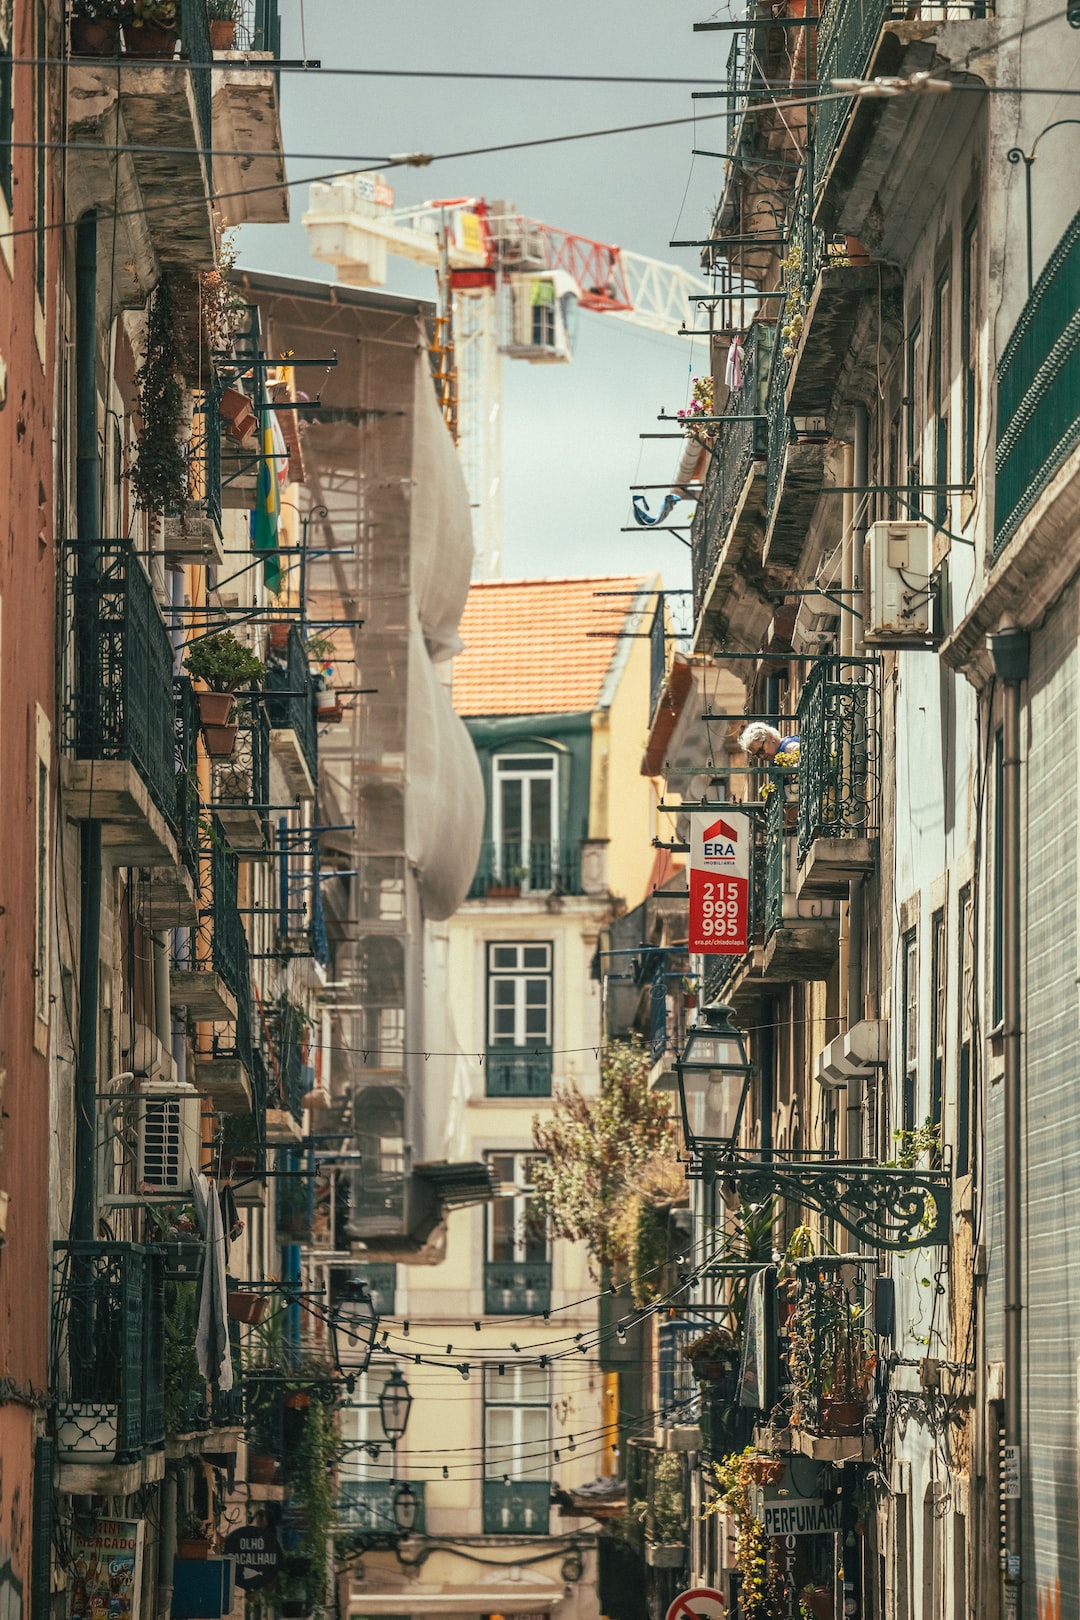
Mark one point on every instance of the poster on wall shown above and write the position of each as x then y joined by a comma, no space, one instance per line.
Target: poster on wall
720,883
108,1570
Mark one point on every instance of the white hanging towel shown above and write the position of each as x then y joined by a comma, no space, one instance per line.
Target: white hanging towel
733,371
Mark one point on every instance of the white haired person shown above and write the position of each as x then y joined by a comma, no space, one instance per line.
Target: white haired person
766,746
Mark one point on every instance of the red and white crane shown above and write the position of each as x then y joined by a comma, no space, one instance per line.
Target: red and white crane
516,285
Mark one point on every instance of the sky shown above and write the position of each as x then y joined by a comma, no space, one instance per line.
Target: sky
571,444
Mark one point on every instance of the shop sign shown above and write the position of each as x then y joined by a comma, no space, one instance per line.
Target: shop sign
107,1579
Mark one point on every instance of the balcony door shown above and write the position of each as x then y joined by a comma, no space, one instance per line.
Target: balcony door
525,820
517,1265
519,1019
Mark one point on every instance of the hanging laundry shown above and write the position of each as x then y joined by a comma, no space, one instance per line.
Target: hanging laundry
733,371
641,509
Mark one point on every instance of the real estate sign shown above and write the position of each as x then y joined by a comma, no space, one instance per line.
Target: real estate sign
720,882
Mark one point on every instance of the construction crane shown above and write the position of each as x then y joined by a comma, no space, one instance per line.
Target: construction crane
514,288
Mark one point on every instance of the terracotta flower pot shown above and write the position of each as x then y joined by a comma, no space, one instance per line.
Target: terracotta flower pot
251,1308
148,40
91,36
262,1468
222,33
215,708
237,414
220,741
192,1547
842,1417
279,635
766,1470
820,1601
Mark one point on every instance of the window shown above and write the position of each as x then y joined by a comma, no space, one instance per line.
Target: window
914,403
942,358
938,1004
969,330
998,985
381,1278
965,1066
910,1031
525,819
519,1020
517,1438
517,1256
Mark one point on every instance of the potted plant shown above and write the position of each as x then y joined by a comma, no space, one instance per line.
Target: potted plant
221,663
763,1589
714,1357
150,29
191,1538
245,1307
665,1512
238,414
222,15
95,27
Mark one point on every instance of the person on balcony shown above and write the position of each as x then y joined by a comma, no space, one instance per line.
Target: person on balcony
766,746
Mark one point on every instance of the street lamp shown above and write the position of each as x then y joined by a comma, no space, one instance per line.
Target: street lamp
406,1507
714,1075
395,1404
353,1326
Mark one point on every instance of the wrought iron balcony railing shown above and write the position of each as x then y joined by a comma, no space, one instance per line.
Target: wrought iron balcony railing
839,759
230,953
187,781
241,783
513,1288
507,870
520,1507
831,1345
731,457
847,36
294,708
195,45
283,1030
108,1350
657,656
517,1071
378,1195
119,704
778,808
258,26
1038,389
366,1506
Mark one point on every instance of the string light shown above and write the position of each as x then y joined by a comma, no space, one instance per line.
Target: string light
463,1369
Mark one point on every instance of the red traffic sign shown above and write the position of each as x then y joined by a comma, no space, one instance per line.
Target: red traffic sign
700,1603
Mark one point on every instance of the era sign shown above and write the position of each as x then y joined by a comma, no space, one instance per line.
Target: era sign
720,883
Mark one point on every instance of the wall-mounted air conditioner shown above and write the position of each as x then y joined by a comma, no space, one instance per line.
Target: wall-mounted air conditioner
169,1137
900,587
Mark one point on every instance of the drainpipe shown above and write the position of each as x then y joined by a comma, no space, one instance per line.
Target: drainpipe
1010,653
166,1544
860,469
88,528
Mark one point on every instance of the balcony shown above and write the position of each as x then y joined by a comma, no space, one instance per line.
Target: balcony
514,1072
194,1414
839,775
290,706
194,536
221,981
801,936
165,180
168,894
1038,391
507,872
119,720
366,1506
520,1507
795,473
108,1366
832,1356
513,1289
725,535
247,120
289,1078
378,1202
241,784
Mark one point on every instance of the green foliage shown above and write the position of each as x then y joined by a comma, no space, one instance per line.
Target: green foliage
665,1512
102,10
154,13
594,1149
647,1249
222,10
912,1145
183,1393
761,1595
223,663
311,1480
160,472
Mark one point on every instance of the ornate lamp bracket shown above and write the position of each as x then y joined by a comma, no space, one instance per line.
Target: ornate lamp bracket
884,1206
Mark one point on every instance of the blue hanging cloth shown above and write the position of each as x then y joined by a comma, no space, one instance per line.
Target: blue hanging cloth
641,509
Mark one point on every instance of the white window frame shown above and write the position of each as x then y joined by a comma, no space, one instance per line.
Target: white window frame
520,977
503,770
524,1456
521,1163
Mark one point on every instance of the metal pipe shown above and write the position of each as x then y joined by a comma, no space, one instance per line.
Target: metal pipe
167,1544
1010,651
853,576
88,523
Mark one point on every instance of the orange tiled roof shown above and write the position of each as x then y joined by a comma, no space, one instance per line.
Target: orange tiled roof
528,648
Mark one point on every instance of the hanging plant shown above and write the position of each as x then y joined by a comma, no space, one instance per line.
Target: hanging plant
160,472
223,309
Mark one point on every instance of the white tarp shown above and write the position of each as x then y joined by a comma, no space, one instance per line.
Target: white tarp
440,527
444,798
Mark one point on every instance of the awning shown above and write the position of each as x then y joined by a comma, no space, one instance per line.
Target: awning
506,1599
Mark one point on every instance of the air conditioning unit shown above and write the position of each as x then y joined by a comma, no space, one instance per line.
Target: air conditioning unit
900,588
169,1137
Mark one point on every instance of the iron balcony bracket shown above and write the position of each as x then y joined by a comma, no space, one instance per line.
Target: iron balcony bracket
885,1206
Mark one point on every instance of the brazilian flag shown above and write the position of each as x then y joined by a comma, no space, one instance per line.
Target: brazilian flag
264,519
